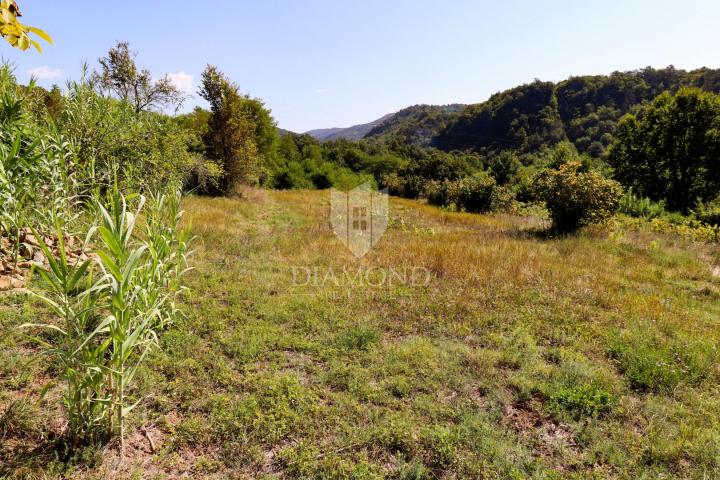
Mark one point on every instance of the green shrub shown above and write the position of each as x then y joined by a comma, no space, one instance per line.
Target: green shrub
709,212
471,194
503,198
436,193
575,199
474,194
635,206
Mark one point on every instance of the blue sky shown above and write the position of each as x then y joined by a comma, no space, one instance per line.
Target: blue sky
323,63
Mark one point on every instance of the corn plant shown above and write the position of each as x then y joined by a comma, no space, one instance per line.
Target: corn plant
167,246
79,350
112,307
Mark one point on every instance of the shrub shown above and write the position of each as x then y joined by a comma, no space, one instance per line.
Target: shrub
709,212
414,186
436,193
503,198
575,199
635,206
394,183
474,194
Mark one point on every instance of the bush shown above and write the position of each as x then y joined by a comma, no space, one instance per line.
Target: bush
709,212
471,194
503,198
635,206
474,194
575,199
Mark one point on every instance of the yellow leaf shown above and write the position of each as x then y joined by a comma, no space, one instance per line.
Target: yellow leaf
41,33
36,45
24,42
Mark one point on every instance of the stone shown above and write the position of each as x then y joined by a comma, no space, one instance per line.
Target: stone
5,283
39,257
30,239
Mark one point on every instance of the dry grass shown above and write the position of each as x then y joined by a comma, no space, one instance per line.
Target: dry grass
577,357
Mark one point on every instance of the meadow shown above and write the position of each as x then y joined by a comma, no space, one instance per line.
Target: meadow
524,356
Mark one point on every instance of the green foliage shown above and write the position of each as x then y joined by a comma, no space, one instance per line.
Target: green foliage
504,167
111,310
584,110
470,194
143,151
302,163
652,362
133,85
475,194
669,152
708,212
635,206
359,339
576,199
240,134
579,401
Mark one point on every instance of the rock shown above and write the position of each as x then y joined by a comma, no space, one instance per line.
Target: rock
30,239
39,257
716,272
6,283
17,282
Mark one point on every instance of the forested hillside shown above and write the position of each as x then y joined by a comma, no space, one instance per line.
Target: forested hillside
415,125
584,110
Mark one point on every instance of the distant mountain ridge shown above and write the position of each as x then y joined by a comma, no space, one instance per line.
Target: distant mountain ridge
355,132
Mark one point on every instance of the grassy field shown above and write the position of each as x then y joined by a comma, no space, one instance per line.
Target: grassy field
592,356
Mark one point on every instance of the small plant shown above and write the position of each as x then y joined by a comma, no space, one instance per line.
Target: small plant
19,418
359,339
576,199
580,401
653,363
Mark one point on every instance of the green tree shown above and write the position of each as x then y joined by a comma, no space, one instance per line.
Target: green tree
671,151
241,133
121,75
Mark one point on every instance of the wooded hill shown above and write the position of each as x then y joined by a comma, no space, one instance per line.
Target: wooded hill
584,110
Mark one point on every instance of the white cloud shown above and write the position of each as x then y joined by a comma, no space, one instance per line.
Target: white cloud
320,91
182,81
44,73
